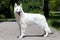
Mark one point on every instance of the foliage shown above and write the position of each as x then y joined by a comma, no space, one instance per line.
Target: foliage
52,4
57,7
2,16
33,6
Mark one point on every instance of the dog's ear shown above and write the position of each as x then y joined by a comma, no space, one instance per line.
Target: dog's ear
15,4
20,5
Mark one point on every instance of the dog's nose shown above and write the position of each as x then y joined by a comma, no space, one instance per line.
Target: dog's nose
19,12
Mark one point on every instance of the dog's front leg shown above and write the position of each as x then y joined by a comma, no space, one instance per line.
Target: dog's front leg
23,29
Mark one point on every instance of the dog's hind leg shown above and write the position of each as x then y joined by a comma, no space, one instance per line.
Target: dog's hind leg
46,29
46,33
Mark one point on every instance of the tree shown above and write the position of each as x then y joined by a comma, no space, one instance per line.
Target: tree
4,8
46,8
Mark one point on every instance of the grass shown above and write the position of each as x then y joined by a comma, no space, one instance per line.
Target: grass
54,23
54,20
3,20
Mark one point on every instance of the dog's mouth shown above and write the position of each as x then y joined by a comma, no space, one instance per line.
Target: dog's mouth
18,13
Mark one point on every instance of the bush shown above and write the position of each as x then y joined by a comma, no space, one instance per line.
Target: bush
2,16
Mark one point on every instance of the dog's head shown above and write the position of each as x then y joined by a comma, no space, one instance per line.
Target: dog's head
18,8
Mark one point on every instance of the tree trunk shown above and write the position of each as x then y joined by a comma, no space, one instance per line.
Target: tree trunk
46,8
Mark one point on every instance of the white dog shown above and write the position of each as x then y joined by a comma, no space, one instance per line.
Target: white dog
23,20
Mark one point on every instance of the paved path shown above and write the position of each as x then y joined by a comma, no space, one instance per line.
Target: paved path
10,30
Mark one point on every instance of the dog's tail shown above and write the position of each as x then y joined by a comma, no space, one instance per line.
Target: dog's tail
48,28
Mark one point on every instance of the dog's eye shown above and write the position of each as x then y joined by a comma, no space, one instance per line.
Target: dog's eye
17,9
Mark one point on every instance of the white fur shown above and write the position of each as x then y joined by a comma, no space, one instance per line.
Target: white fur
24,18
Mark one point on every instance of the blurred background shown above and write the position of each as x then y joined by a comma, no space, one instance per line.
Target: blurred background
49,8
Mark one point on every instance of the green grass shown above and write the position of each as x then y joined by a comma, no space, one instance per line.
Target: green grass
54,23
3,20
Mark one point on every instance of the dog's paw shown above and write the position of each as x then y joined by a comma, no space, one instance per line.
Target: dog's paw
45,36
20,36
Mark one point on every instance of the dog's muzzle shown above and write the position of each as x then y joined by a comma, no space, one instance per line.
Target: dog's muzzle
18,13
